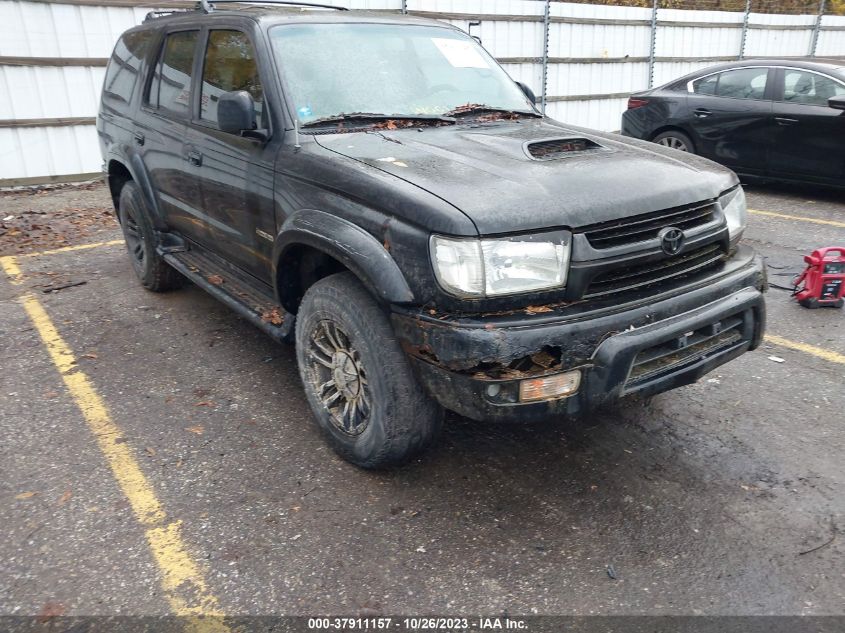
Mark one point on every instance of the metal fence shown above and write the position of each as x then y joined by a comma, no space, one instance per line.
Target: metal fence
582,60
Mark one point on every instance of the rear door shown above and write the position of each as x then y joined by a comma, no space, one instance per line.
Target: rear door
236,174
731,117
808,140
160,128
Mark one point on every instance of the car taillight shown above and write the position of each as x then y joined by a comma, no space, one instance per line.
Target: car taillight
633,102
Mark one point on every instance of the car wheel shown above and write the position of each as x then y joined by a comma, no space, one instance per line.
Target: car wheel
358,381
675,140
153,272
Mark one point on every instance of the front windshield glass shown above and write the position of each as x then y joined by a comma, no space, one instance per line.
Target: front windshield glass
398,70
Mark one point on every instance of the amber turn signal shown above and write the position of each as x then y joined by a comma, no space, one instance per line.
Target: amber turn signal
549,387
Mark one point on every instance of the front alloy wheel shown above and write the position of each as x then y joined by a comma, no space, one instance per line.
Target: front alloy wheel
358,381
336,373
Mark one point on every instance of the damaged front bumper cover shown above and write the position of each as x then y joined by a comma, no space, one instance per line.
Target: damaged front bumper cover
474,365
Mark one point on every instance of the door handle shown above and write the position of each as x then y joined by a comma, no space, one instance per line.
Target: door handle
139,138
195,157
785,121
702,113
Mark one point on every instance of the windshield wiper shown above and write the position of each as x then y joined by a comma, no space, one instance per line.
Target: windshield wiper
371,116
480,108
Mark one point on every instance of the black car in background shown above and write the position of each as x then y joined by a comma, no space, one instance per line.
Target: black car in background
773,119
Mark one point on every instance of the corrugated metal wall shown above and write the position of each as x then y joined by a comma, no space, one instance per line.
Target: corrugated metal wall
52,61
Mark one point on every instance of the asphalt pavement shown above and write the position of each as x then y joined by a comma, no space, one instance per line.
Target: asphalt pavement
158,456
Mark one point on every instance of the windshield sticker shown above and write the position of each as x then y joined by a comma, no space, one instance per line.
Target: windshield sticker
460,53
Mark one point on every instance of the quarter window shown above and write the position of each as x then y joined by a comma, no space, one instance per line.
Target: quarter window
230,65
170,88
809,88
706,85
124,65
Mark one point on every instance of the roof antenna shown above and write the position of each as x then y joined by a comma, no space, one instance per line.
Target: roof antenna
296,145
205,6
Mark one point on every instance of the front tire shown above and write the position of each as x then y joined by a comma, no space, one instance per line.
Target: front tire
358,381
153,272
675,139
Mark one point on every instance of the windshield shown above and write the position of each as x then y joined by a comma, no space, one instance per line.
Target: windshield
401,70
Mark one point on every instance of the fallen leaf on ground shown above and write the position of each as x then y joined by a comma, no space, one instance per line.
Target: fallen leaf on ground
51,610
204,403
65,497
25,495
91,355
198,429
150,451
216,279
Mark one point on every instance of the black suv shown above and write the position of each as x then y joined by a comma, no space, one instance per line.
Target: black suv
378,189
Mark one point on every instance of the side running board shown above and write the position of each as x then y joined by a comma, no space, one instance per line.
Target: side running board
246,299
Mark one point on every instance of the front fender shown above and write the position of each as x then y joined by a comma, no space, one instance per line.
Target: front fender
349,244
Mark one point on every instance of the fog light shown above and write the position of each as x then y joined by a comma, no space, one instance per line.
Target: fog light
549,387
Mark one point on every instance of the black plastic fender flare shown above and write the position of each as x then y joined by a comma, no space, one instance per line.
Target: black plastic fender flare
134,164
349,244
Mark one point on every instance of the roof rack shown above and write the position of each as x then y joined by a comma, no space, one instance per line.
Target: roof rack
207,6
152,15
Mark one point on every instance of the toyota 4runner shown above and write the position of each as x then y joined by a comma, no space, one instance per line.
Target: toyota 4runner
377,189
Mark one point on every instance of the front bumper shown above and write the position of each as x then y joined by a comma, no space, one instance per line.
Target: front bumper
472,365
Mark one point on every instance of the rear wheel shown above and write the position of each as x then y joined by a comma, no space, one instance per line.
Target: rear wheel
675,140
153,272
357,379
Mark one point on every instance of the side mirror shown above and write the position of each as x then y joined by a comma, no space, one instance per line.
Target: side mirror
236,112
837,103
528,92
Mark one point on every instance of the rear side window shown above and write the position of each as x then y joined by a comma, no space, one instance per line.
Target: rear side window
808,88
229,66
170,88
742,83
124,67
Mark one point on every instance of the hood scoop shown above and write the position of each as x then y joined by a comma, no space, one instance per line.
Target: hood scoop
554,148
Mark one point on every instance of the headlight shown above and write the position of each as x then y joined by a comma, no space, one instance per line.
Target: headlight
736,212
491,267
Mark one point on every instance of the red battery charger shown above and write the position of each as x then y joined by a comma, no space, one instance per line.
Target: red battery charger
823,279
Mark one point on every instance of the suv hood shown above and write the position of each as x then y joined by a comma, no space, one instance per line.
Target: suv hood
485,171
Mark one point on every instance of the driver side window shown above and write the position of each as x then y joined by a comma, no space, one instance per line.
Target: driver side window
230,65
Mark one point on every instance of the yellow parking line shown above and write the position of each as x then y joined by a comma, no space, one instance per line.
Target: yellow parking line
818,352
181,577
800,218
67,249
10,266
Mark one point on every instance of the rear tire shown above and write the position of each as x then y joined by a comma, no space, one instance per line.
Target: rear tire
675,139
153,272
358,381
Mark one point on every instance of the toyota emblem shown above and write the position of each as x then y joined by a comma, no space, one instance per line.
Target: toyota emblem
671,240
